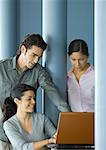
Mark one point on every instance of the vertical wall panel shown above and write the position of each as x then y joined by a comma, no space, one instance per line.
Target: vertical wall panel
55,33
29,20
18,18
29,17
80,23
8,30
100,65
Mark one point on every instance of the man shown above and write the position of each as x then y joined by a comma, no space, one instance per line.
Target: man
24,68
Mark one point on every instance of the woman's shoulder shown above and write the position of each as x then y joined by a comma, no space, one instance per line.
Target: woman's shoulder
39,116
11,121
70,73
90,69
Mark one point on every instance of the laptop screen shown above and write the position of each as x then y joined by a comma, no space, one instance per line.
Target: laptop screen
75,128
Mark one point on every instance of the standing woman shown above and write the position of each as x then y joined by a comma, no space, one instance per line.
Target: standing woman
80,78
26,129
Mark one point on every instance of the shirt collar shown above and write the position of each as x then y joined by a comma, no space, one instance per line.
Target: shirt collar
14,62
70,72
90,68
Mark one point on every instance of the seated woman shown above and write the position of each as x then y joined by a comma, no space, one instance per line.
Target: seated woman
26,129
80,78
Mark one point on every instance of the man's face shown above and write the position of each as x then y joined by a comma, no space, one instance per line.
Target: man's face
32,56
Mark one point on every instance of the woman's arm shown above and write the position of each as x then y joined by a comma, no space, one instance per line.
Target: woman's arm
49,128
55,135
41,144
17,140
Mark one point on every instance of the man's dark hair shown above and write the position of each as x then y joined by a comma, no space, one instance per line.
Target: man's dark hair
34,39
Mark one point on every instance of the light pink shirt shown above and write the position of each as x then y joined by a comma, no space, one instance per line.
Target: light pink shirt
81,95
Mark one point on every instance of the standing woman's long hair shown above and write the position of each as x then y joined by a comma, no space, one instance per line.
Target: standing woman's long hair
9,106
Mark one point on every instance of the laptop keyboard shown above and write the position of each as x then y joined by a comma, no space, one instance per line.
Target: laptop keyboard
74,147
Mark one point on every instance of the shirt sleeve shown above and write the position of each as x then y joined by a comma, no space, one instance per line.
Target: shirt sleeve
45,81
16,138
50,130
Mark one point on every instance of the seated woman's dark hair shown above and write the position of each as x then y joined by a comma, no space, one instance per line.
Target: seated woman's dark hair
9,106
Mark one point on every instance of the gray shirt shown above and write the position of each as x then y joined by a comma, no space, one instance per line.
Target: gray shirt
37,76
20,139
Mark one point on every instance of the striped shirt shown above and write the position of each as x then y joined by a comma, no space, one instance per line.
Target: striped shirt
81,95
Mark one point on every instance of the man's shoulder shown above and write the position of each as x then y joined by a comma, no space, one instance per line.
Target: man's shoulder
39,67
5,63
2,61
5,60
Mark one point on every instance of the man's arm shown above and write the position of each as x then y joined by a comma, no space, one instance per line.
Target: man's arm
45,82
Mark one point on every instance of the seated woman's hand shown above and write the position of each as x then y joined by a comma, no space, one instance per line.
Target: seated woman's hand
52,140
55,135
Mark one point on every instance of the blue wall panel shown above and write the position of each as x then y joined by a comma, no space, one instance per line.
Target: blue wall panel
8,30
18,18
100,75
55,33
80,23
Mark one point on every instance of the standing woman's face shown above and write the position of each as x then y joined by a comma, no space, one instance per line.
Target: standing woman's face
78,60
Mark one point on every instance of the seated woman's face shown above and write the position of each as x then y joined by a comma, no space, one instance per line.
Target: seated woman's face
78,60
27,102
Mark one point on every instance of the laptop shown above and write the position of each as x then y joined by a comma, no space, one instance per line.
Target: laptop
75,128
